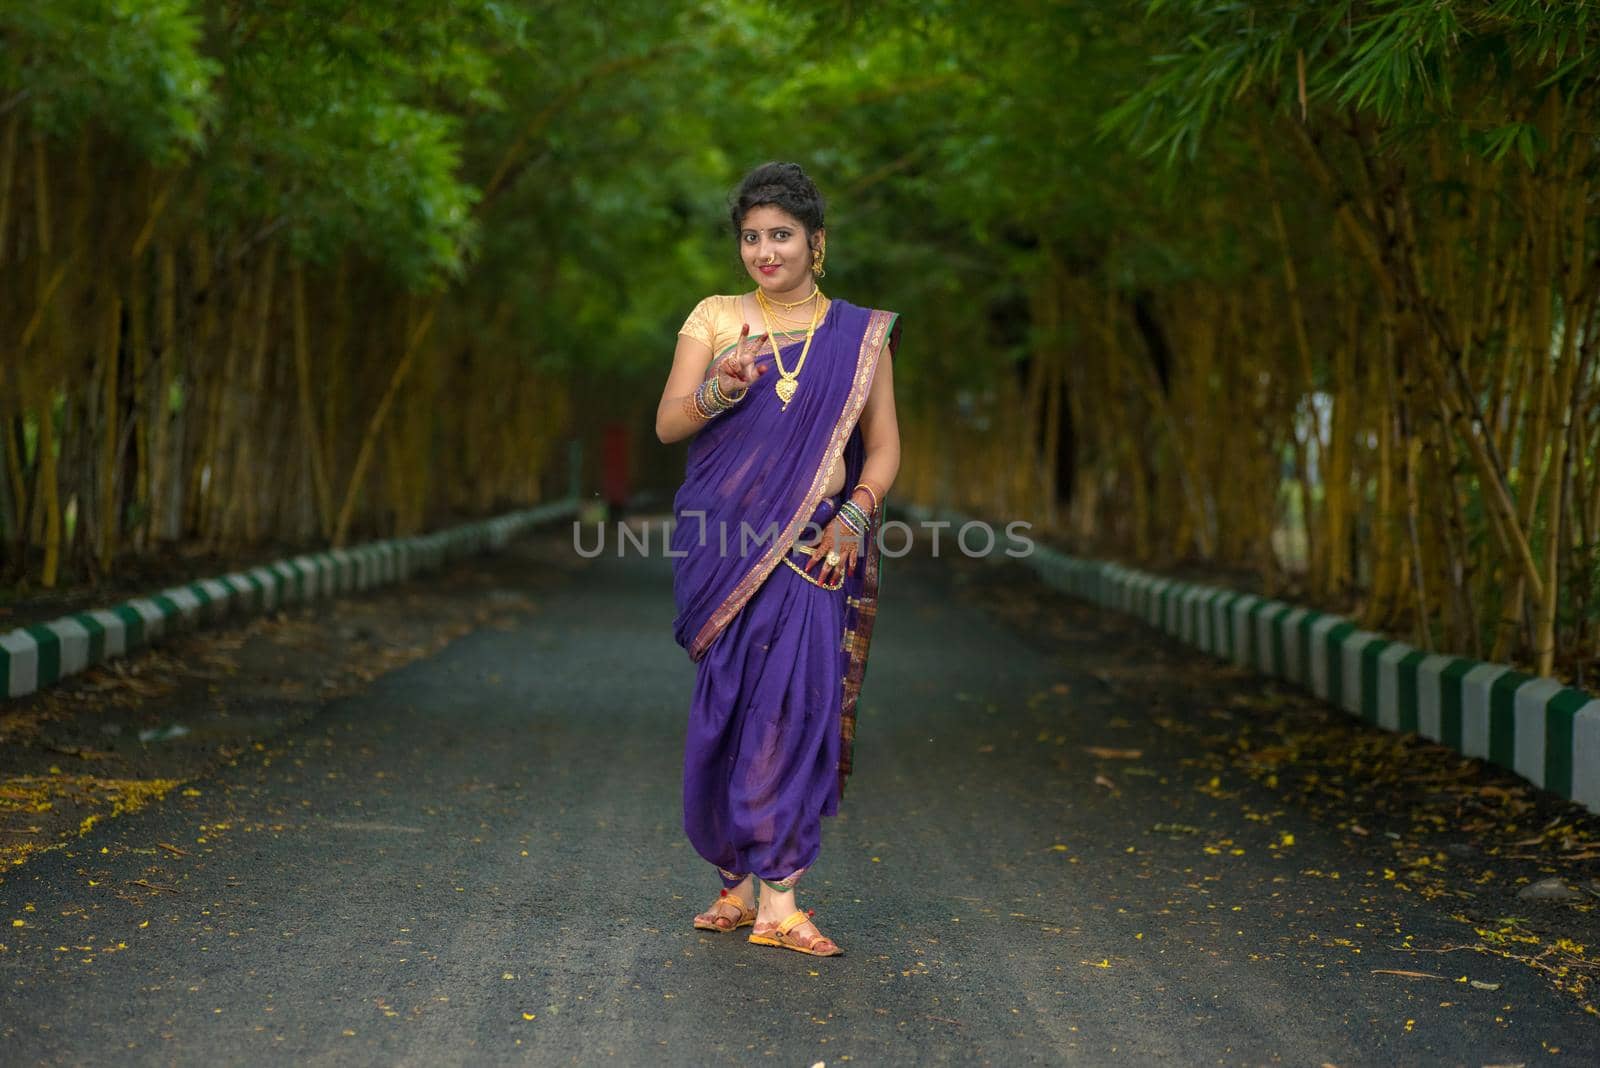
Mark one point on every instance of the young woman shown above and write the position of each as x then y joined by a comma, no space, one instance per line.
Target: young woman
790,401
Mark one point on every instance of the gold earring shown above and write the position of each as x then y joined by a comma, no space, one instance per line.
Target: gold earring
816,262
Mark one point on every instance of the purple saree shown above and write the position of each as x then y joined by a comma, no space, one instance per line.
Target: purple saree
780,659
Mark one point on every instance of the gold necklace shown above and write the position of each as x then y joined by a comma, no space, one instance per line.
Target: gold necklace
799,324
815,289
787,380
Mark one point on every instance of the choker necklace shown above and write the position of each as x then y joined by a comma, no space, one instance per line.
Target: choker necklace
815,289
788,380
797,324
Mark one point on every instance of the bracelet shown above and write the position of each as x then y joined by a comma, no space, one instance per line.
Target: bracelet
849,523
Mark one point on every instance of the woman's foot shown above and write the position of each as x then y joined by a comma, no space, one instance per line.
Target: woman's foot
777,906
803,936
733,909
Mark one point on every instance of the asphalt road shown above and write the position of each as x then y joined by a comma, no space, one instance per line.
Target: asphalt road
479,860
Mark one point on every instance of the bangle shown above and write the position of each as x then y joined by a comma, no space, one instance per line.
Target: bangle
695,407
870,493
702,401
852,516
710,401
720,400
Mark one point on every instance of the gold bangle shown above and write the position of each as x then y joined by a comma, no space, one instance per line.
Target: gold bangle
870,493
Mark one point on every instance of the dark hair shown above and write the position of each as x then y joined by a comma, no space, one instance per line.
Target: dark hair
782,185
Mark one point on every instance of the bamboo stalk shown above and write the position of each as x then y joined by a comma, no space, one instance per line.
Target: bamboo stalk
1052,440
109,376
39,400
1452,526
223,404
248,489
8,169
414,343
159,415
139,417
308,416
1572,368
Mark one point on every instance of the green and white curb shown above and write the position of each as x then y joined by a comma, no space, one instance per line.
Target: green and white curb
1543,731
42,654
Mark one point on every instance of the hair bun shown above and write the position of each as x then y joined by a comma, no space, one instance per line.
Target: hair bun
783,185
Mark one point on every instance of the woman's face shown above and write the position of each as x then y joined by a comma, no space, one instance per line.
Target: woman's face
773,245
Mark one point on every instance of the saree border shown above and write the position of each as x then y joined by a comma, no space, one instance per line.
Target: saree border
856,641
733,345
872,342
857,637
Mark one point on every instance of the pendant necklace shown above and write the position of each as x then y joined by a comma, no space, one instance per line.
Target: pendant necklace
788,380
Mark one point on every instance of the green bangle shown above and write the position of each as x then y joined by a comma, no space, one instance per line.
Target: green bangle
854,517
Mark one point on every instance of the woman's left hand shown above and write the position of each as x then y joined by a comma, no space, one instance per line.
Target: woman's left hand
836,537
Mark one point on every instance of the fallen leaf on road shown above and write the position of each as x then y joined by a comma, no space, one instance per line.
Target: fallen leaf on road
1406,974
1113,754
1101,780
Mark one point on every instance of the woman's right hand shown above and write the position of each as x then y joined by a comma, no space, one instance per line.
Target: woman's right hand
738,369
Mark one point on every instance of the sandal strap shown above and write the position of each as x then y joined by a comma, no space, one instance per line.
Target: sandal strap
733,899
793,920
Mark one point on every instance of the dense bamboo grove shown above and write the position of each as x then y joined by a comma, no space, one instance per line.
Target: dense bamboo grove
1423,361
1304,295
233,253
207,387
1360,362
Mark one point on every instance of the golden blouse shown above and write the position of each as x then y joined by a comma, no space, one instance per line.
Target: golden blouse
717,320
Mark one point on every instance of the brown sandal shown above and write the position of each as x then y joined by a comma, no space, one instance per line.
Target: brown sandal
746,917
780,936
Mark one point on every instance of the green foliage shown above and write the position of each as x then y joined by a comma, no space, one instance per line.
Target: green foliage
134,66
1403,61
566,166
341,120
